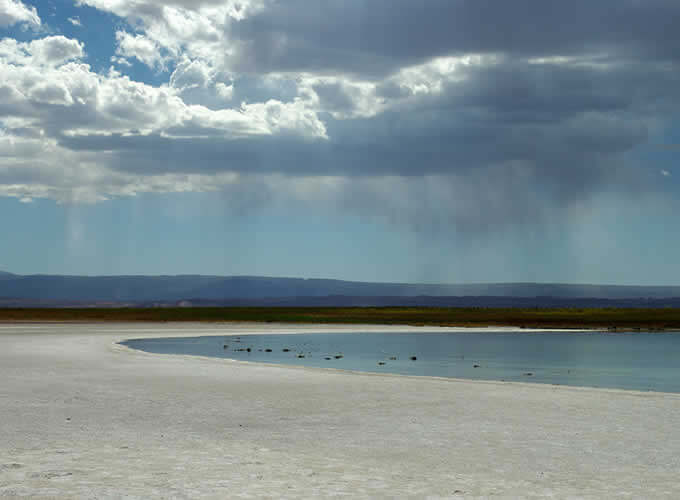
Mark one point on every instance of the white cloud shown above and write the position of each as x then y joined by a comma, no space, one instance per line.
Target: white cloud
195,29
665,173
55,50
121,61
286,118
75,21
43,71
226,92
15,11
234,9
48,51
140,47
55,93
191,74
64,129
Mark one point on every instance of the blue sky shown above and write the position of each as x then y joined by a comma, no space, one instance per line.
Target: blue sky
267,137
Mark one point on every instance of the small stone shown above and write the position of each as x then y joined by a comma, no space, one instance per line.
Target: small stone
475,366
381,363
413,358
528,374
267,350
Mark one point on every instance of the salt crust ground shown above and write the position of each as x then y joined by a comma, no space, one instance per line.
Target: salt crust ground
81,417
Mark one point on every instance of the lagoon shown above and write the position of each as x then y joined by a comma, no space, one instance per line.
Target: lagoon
643,361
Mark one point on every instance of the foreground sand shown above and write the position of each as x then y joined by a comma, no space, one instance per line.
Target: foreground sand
82,417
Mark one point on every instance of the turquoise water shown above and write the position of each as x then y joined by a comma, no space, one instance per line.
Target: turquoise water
640,361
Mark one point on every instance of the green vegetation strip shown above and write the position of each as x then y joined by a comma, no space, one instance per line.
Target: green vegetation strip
624,319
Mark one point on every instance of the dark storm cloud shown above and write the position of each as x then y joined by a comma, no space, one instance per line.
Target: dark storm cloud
554,118
334,97
380,36
504,139
511,142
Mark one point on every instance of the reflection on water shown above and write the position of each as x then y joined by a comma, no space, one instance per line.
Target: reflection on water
641,361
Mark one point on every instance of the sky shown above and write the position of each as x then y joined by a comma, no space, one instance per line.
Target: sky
442,141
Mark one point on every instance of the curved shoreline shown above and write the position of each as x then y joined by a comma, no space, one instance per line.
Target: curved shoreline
321,369
85,418
118,346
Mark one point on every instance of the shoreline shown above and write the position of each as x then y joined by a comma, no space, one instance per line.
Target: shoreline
461,328
117,346
85,417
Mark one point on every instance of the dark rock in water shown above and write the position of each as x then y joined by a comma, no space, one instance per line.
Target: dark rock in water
301,355
248,349
393,358
327,358
381,363
339,356
225,346
413,358
475,366
528,374
267,350
285,349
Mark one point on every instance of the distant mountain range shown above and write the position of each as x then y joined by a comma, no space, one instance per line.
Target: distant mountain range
246,290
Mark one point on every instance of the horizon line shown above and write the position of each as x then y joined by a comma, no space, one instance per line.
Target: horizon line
227,276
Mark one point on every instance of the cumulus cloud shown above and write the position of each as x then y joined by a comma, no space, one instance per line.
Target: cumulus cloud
48,51
224,91
191,74
15,11
65,129
178,28
139,47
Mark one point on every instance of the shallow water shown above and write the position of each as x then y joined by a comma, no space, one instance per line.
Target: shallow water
640,361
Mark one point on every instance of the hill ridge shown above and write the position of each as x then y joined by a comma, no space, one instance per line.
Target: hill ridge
145,288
